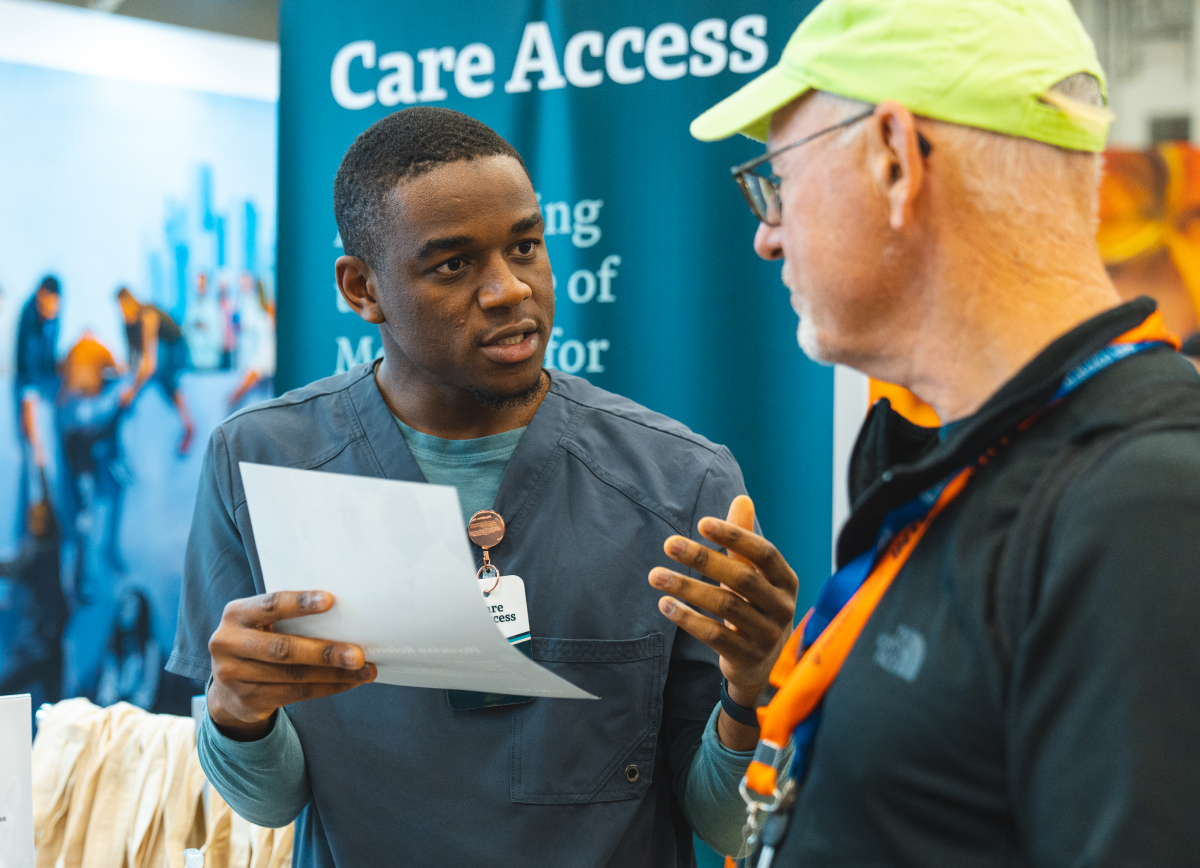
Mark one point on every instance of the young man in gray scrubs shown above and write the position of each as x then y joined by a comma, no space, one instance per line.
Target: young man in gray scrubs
444,251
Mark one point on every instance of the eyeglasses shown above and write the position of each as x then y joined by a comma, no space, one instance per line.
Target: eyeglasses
762,191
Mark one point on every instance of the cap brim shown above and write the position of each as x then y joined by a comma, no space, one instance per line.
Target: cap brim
748,111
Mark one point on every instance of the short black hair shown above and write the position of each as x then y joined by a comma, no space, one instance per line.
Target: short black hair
404,144
50,284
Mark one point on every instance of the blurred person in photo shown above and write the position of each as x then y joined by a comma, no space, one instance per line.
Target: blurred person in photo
256,340
132,663
89,413
202,327
157,353
35,654
35,388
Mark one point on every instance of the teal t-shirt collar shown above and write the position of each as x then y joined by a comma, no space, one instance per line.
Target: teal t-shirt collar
475,467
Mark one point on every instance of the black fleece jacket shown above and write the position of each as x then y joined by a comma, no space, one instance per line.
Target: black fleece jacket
1028,691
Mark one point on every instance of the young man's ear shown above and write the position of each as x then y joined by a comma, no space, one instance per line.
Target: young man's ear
357,284
896,162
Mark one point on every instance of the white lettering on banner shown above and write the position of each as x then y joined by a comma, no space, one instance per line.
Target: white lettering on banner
608,270
536,54
746,34
628,54
614,55
586,231
433,61
666,40
571,355
582,285
339,75
589,286
348,356
557,217
473,61
396,87
594,349
593,42
708,41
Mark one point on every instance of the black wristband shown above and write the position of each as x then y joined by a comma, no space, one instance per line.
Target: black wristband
740,713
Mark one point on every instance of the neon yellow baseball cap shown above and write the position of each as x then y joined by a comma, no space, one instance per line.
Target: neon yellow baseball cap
981,63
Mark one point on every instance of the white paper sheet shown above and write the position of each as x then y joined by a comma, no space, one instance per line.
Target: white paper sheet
396,558
16,782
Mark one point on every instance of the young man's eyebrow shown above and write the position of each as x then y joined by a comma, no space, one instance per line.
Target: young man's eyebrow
436,245
454,242
525,224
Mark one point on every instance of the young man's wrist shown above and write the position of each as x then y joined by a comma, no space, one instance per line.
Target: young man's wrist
235,729
743,696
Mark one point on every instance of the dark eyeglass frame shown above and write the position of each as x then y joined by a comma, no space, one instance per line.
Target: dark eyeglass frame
762,193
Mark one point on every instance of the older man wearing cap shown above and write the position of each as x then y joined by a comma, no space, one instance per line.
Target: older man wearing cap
1004,670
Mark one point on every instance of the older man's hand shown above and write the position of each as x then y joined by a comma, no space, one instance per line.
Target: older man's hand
756,601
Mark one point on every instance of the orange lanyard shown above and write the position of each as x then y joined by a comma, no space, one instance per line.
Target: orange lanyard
803,682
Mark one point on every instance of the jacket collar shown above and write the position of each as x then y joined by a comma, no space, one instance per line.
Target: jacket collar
894,460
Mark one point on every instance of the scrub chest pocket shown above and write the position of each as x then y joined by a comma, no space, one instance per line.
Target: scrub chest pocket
574,751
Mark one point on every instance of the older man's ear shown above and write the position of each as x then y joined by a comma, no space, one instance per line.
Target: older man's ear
894,160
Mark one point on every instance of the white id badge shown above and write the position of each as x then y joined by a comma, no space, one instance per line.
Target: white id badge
505,600
506,604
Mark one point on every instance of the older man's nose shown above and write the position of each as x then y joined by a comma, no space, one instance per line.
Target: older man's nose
767,243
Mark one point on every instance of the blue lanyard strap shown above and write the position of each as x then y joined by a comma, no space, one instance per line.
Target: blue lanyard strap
1096,363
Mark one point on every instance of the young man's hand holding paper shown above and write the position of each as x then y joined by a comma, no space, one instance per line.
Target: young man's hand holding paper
395,558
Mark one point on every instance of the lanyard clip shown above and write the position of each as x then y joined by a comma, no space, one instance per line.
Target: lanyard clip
762,776
766,822
760,807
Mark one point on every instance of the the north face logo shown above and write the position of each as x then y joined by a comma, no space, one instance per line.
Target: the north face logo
901,653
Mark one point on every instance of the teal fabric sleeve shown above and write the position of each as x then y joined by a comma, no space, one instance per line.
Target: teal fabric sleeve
707,787
264,781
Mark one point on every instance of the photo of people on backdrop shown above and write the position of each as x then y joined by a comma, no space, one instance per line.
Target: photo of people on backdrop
126,335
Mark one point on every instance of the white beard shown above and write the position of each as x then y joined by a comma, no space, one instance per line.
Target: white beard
806,332
810,343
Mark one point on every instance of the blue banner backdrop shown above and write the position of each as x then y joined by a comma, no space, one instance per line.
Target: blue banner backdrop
660,296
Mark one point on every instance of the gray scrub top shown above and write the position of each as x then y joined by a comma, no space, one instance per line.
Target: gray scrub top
593,489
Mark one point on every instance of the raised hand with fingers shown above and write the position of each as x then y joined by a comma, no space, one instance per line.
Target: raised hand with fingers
755,600
257,670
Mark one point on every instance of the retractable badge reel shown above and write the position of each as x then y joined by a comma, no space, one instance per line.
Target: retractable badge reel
486,530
